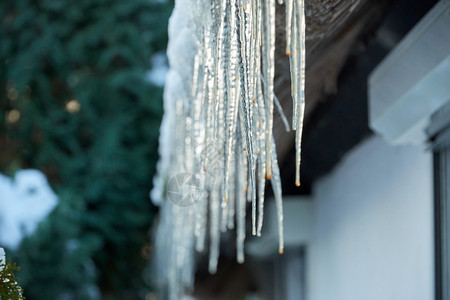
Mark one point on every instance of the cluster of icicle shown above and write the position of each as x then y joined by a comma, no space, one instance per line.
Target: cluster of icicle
216,137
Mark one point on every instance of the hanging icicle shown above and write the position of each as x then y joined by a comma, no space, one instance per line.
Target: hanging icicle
217,147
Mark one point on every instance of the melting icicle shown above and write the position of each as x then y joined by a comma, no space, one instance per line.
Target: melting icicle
241,195
300,22
214,231
261,159
276,186
231,99
268,53
247,111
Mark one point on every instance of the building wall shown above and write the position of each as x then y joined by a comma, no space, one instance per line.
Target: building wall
372,233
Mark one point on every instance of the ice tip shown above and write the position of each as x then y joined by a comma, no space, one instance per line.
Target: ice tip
268,176
226,198
281,251
297,183
288,53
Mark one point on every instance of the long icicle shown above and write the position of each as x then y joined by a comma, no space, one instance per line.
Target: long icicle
268,51
244,36
300,90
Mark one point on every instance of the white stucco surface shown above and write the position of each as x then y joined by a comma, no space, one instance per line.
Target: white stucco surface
372,231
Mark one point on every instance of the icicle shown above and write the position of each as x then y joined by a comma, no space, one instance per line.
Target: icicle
241,195
261,160
300,16
214,230
289,5
268,52
293,59
276,186
224,209
231,202
201,218
244,36
232,99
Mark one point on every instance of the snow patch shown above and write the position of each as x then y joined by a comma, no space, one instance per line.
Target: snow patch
25,201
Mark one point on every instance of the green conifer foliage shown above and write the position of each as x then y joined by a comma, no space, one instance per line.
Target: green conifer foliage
75,102
9,286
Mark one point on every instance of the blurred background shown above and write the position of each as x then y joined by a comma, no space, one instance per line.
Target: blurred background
80,108
80,101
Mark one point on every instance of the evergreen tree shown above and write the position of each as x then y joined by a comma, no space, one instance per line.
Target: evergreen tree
75,103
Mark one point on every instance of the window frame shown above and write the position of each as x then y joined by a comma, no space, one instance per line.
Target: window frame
439,133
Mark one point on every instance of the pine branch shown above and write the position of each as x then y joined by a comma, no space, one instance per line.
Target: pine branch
9,287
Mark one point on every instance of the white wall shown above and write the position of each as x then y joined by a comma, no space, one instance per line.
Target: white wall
372,233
